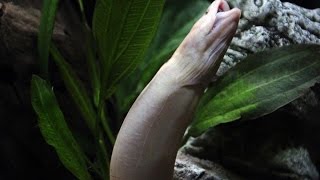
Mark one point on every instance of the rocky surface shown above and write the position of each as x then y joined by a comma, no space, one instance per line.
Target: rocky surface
267,24
282,145
291,163
188,168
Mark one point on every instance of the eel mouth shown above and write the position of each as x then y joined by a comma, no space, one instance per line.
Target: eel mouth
218,6
217,26
220,14
221,8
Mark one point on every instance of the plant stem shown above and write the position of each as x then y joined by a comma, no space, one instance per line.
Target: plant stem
81,5
103,157
93,166
103,119
106,127
185,139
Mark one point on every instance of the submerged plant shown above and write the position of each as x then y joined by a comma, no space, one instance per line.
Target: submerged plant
117,43
121,30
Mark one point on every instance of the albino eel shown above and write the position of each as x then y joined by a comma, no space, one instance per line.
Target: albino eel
152,131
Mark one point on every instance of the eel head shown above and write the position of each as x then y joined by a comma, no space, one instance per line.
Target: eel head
198,57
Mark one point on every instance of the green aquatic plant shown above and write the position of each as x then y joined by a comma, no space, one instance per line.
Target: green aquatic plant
259,85
121,30
117,45
54,128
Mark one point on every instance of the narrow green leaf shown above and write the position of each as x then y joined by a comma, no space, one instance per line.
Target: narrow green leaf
91,58
47,20
124,30
75,89
55,130
259,85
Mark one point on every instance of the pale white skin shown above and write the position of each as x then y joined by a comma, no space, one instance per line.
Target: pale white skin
151,133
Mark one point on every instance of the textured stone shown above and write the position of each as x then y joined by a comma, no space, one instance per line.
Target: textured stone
267,24
189,168
272,147
296,160
281,145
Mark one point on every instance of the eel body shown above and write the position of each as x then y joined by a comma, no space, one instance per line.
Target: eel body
151,133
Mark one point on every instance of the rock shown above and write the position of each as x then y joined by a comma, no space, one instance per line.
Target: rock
269,24
283,144
189,168
275,146
310,4
296,160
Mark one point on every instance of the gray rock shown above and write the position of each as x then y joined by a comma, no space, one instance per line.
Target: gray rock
189,168
267,148
296,160
270,23
283,144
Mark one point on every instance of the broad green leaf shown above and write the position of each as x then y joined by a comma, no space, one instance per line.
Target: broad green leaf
75,89
55,130
47,20
124,30
176,21
259,85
